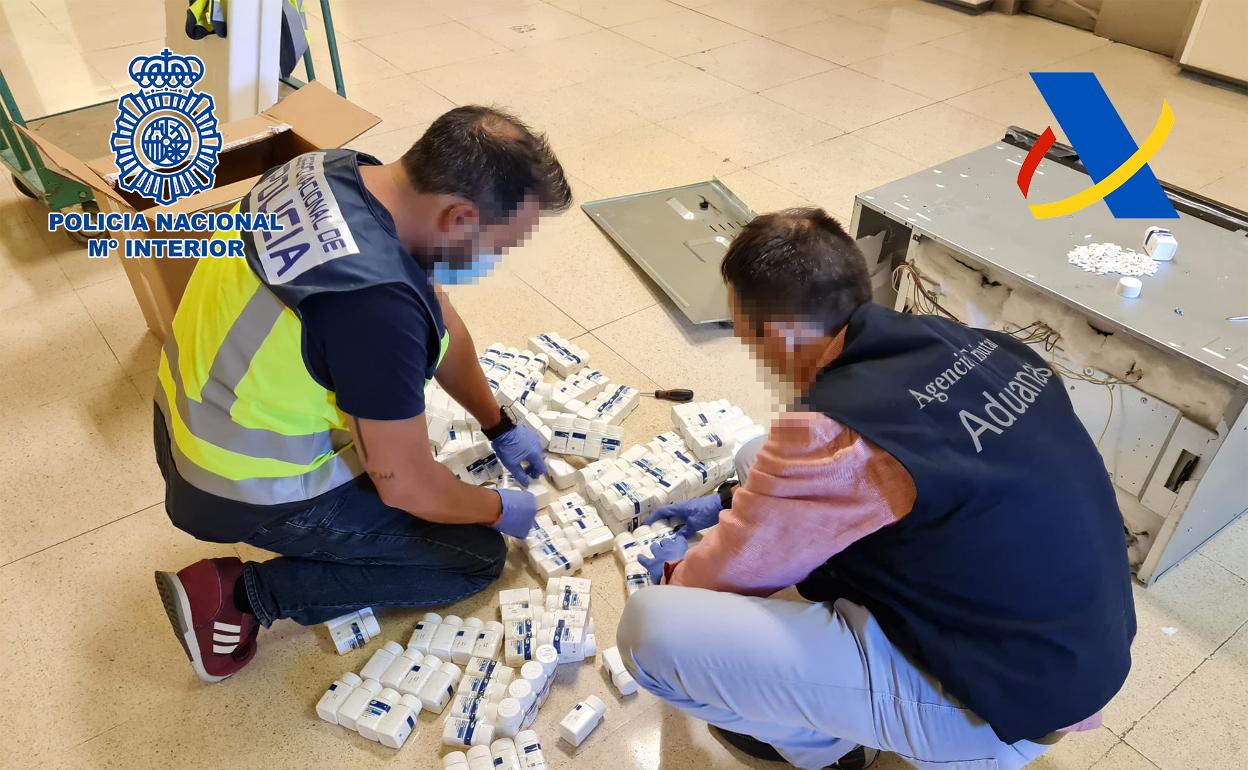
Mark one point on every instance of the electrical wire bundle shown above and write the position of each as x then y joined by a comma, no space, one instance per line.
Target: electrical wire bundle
922,299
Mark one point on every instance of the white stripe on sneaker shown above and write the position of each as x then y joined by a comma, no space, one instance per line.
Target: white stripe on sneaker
227,638
224,649
217,625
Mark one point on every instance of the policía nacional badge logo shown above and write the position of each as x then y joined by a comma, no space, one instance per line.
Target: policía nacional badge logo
165,140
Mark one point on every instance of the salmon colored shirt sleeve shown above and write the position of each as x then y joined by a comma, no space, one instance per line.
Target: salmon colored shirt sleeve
816,487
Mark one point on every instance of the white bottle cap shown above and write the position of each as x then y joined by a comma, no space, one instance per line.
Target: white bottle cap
393,647
623,538
479,752
388,694
433,617
595,703
503,746
534,673
411,701
548,656
589,647
624,682
432,661
453,620
454,759
1129,287
351,679
449,668
552,585
508,715
494,625
522,691
473,623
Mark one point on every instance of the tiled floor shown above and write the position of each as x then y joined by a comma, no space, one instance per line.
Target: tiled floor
791,102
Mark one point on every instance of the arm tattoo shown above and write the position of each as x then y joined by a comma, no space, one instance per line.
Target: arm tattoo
359,437
381,475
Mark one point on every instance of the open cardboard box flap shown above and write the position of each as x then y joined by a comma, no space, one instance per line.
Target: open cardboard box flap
62,161
207,200
318,115
238,132
321,116
310,118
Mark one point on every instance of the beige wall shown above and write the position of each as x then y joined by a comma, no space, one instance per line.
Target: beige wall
1217,42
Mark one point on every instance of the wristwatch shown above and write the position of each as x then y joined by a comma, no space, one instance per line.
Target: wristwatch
725,493
504,424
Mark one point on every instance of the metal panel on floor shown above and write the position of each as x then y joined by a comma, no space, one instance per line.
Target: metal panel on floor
679,237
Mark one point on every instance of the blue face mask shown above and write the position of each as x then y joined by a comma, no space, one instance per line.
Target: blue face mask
480,267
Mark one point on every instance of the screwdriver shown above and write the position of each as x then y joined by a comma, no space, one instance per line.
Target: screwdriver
676,394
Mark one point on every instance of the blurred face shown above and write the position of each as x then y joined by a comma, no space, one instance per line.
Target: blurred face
789,350
764,340
461,240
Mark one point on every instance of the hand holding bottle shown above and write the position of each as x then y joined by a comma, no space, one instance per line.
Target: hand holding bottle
672,548
695,515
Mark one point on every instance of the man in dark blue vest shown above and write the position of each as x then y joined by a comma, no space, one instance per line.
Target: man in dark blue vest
933,495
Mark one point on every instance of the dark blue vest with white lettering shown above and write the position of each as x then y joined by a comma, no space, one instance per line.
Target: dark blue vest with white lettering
1008,581
336,236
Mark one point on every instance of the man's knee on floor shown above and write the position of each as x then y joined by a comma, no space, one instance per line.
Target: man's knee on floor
493,552
646,637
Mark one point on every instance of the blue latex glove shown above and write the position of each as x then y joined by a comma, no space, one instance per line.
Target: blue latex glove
696,514
520,452
519,511
671,548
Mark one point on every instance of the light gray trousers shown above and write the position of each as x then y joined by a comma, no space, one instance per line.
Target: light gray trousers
811,680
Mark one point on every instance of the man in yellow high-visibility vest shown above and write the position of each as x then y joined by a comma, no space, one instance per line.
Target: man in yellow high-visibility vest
290,403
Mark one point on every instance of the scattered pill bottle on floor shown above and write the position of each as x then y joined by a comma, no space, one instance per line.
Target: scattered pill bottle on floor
582,720
327,706
353,630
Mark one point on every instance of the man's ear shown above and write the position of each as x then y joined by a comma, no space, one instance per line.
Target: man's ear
779,334
459,220
790,335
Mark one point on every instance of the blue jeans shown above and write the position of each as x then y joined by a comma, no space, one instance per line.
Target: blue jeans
339,552
812,680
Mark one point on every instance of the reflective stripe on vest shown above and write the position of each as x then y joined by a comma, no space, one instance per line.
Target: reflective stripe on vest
238,379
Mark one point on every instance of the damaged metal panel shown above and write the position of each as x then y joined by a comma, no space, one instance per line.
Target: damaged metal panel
678,236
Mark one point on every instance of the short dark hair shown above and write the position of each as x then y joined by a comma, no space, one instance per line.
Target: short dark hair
797,264
489,157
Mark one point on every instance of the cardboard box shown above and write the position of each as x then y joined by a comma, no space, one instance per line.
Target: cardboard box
312,118
1160,26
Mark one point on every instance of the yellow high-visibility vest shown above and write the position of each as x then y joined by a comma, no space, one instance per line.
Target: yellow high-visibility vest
246,419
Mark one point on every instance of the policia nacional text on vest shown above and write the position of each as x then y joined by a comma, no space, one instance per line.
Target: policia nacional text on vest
246,419
1008,581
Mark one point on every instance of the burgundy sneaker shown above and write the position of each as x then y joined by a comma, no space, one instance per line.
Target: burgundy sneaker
199,600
